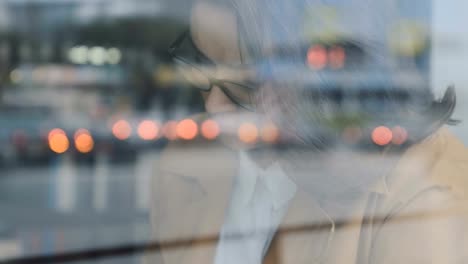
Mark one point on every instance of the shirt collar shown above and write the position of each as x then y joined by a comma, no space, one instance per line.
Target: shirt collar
280,188
380,187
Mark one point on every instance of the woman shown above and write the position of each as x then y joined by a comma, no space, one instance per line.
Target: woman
214,205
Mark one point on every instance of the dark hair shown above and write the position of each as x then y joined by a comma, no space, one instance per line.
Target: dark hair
439,112
266,24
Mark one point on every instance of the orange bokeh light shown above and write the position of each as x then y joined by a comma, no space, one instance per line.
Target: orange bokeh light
84,142
382,135
317,57
270,133
54,132
248,133
400,135
187,129
210,129
79,132
58,141
169,130
337,57
121,129
148,130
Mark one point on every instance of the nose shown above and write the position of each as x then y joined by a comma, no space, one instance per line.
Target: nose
216,101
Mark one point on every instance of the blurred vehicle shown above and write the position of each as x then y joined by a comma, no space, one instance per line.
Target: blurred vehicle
367,103
23,134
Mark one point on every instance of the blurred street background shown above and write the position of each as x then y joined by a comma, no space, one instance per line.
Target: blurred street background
87,102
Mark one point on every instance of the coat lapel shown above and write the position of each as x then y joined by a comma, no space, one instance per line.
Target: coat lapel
302,236
197,185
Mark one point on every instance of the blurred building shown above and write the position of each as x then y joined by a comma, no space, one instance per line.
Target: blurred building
3,16
44,17
105,9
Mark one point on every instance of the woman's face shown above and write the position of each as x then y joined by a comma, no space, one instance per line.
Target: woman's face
214,32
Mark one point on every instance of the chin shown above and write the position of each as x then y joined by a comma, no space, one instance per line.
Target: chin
214,108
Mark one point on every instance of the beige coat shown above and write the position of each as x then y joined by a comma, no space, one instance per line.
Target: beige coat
420,219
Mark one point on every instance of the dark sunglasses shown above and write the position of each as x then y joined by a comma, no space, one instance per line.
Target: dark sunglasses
194,65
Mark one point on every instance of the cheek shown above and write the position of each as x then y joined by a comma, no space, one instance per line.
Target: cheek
216,101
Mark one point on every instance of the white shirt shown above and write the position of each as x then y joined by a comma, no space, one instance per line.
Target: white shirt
258,203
